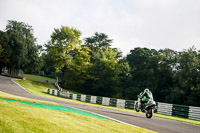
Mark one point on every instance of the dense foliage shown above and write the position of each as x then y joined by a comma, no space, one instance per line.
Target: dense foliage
18,49
93,67
172,76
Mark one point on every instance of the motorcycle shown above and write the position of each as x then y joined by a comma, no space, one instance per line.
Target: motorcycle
147,108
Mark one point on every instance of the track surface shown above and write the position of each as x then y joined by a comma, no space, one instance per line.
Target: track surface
155,123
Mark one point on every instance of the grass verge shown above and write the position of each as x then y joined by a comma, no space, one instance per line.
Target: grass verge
17,98
40,88
16,117
29,76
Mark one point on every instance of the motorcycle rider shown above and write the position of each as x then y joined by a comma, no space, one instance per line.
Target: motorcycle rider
145,97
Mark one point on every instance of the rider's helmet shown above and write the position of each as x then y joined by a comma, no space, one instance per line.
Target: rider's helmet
146,90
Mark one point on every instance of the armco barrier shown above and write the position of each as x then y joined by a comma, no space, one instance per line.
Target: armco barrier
70,96
74,96
180,110
194,113
53,92
57,86
129,104
79,97
162,108
88,98
106,101
121,103
113,102
99,100
93,99
83,97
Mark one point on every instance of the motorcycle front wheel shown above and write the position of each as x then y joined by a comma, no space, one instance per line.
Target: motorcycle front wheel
149,113
137,107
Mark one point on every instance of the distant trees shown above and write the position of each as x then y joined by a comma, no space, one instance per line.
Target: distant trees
97,69
148,70
98,41
62,45
94,68
104,73
91,68
187,77
172,76
5,50
104,68
70,60
19,49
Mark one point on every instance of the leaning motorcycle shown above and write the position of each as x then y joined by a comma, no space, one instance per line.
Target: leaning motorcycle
147,108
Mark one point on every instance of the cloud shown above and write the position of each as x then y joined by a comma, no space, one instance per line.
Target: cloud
131,23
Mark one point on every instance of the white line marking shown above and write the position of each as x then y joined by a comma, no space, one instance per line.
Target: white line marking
108,118
21,86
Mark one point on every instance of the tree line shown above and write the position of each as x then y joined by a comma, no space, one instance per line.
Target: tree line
93,67
18,49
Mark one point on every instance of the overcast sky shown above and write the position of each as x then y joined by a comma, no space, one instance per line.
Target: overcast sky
157,24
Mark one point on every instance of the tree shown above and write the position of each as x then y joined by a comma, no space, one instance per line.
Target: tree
145,72
104,74
48,64
98,41
123,76
166,73
119,53
75,75
63,42
5,51
187,76
70,60
34,61
143,62
21,42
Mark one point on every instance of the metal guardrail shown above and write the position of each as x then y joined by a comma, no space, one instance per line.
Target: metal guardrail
53,92
57,85
164,108
189,112
194,113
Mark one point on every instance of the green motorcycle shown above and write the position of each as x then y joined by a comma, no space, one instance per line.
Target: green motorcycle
147,107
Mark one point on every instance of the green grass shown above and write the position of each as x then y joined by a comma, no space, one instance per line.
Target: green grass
40,88
29,76
18,118
12,97
36,87
59,108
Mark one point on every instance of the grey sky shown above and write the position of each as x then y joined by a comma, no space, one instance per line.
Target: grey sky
157,24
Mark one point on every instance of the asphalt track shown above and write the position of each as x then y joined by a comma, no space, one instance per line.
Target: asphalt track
155,123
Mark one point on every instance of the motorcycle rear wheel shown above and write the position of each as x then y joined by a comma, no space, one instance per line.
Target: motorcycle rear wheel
149,113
